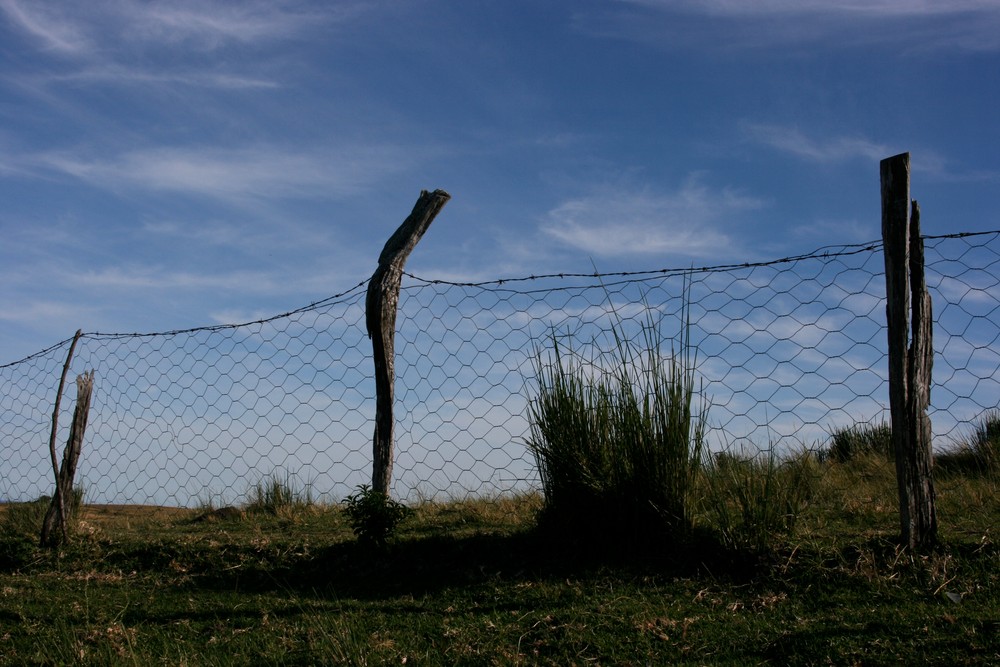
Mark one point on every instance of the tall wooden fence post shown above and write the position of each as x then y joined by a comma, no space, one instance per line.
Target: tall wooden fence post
909,361
380,318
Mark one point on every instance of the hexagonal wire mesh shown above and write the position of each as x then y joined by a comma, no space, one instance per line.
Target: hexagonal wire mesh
786,351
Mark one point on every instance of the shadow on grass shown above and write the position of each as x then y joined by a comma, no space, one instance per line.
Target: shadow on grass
425,565
415,565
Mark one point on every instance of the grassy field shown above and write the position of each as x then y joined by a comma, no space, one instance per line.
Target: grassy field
477,583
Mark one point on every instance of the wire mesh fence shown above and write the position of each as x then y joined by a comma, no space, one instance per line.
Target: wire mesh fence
787,351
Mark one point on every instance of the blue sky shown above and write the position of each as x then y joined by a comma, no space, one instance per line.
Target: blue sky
176,164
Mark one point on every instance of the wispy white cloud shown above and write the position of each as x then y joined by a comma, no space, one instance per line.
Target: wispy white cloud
615,221
908,25
827,231
141,283
232,174
872,8
131,42
118,74
46,24
102,26
214,233
43,312
793,141
209,25
837,149
144,278
938,167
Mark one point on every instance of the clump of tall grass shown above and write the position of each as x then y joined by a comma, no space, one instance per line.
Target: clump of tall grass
979,452
753,499
278,496
860,441
618,449
25,519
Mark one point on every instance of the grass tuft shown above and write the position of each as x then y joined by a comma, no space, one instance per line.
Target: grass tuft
277,496
977,454
618,450
858,441
25,519
753,500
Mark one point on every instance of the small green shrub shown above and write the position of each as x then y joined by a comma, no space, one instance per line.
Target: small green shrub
860,440
374,516
754,500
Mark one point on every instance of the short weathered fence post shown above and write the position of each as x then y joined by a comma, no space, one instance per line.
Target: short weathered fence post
380,318
56,515
57,499
909,361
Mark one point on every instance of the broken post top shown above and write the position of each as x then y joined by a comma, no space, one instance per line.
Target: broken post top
895,180
895,174
902,157
404,239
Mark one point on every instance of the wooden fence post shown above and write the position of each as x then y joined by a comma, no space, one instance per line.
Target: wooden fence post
909,361
56,515
57,498
380,318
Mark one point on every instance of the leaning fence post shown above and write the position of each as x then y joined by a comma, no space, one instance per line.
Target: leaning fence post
57,498
909,361
380,318
56,514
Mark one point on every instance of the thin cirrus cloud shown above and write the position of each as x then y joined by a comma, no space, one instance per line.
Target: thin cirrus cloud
101,26
838,149
909,25
147,278
616,222
46,26
866,8
210,25
41,312
232,174
127,42
118,74
793,141
138,282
